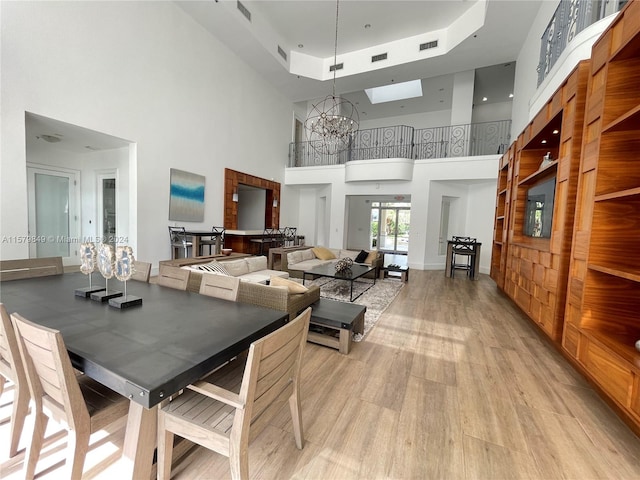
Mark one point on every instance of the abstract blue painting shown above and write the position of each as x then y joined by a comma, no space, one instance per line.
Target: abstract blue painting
186,200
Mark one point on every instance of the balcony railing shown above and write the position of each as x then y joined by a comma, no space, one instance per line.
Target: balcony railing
569,19
401,141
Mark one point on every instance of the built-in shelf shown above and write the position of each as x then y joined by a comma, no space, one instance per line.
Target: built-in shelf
631,192
628,121
502,192
500,217
617,272
539,173
496,242
619,344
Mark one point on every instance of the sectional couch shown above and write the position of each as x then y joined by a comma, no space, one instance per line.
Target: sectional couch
299,261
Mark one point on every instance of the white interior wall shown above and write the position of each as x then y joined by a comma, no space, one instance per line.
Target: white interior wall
145,72
415,120
492,112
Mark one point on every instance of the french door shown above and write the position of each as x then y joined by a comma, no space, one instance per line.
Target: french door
390,223
53,213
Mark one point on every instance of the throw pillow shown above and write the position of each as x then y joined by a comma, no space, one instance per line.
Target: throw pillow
362,256
237,268
294,287
373,254
256,264
323,253
213,267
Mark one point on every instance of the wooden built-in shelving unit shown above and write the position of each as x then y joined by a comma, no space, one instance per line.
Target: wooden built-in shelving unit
534,271
602,320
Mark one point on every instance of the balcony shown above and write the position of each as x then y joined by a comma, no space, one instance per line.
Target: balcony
401,141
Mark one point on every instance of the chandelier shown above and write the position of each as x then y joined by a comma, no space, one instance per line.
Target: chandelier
332,122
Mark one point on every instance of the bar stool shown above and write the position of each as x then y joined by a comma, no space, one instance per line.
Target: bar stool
179,240
216,240
463,247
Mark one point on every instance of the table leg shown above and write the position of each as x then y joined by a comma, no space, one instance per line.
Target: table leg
195,248
139,441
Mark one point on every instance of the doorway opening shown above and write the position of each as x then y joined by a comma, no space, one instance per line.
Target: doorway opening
390,223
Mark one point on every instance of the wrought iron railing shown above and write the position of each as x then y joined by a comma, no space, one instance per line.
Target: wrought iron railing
401,141
569,19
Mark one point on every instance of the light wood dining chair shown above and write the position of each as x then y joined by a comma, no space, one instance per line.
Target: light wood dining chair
220,286
174,277
271,377
141,271
30,268
11,368
79,403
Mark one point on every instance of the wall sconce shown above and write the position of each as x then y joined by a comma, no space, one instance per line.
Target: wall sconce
275,202
234,196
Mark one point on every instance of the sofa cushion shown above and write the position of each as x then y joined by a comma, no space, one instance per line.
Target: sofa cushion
323,253
294,287
307,264
237,268
214,267
373,254
361,257
256,263
306,255
296,257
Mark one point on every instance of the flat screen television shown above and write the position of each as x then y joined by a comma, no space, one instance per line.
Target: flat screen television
539,209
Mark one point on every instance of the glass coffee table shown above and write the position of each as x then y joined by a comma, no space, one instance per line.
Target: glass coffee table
329,270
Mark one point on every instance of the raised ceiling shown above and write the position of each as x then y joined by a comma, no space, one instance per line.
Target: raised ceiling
288,24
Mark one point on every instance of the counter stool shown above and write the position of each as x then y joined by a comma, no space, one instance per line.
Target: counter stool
463,247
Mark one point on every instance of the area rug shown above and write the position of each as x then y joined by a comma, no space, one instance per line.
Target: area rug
376,299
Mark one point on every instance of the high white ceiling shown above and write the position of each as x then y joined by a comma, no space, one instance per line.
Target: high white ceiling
311,23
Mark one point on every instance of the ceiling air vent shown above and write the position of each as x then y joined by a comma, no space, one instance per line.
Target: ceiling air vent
428,45
377,58
282,53
338,66
244,11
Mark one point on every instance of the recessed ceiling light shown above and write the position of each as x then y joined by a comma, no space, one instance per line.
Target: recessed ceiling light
543,141
511,95
484,99
555,132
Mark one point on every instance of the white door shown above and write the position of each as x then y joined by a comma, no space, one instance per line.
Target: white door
53,213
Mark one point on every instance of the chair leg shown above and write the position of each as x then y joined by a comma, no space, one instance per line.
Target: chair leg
18,416
296,418
33,449
239,460
165,449
77,444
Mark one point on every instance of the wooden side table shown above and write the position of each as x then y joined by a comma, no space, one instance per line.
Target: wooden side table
403,271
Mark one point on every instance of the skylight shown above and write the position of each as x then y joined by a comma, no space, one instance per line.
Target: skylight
395,91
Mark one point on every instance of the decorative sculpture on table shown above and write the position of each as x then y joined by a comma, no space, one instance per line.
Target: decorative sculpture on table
344,264
88,266
124,268
106,263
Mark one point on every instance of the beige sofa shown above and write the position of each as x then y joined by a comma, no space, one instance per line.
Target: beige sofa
295,263
277,298
248,269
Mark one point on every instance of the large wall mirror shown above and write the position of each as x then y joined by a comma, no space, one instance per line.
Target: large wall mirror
250,202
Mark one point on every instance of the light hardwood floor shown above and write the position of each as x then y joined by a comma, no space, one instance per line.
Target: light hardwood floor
453,383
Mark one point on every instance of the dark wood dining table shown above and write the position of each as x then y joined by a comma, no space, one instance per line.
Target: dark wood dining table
147,352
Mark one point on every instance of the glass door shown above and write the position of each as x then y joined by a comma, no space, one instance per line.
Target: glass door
53,215
390,224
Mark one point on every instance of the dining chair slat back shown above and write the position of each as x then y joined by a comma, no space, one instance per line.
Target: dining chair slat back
30,268
141,271
77,402
269,380
173,277
11,368
220,286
